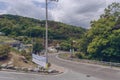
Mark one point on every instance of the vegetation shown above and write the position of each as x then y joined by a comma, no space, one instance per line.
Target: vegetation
24,29
4,51
37,46
102,40
6,39
65,45
14,25
27,55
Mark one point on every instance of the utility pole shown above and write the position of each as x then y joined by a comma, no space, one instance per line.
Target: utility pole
46,25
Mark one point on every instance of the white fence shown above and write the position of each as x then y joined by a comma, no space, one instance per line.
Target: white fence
40,60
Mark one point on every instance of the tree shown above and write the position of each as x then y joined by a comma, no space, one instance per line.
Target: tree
102,39
37,46
65,45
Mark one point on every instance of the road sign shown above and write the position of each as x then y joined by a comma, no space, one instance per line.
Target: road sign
40,60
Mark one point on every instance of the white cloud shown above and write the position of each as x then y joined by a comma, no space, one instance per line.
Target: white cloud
78,12
25,8
75,12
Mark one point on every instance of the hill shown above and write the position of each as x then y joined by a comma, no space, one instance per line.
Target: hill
23,26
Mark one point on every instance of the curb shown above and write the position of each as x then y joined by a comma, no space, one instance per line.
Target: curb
41,73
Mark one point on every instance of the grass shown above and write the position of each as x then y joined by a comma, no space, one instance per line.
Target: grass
6,39
64,56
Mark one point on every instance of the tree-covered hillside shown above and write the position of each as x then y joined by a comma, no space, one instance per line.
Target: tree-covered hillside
22,26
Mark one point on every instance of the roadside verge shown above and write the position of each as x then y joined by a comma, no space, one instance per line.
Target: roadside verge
89,64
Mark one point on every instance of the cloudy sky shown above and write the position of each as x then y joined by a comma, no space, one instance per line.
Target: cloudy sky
74,12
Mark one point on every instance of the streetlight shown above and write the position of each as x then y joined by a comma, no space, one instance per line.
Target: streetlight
46,25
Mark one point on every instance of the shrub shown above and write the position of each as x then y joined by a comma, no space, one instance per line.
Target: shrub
27,55
4,51
80,55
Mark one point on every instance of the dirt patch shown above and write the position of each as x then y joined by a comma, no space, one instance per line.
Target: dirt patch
19,61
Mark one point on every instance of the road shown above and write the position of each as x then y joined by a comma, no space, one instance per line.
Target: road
73,71
69,75
100,72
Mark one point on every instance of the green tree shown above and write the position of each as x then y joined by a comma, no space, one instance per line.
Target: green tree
37,46
102,39
65,45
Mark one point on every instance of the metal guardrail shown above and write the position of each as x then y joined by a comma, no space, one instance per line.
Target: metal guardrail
112,64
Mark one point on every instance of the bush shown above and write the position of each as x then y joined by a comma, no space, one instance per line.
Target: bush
65,45
4,50
80,55
27,55
37,47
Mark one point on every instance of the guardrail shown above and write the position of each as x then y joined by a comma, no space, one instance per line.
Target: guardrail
112,64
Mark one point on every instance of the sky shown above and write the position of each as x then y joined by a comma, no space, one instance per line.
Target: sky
73,12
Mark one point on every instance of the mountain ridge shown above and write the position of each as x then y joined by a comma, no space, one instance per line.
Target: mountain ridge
25,26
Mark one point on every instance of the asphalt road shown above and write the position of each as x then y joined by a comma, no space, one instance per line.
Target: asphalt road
73,71
100,72
69,75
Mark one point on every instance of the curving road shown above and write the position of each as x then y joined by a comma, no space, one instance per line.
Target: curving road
70,75
99,72
73,71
